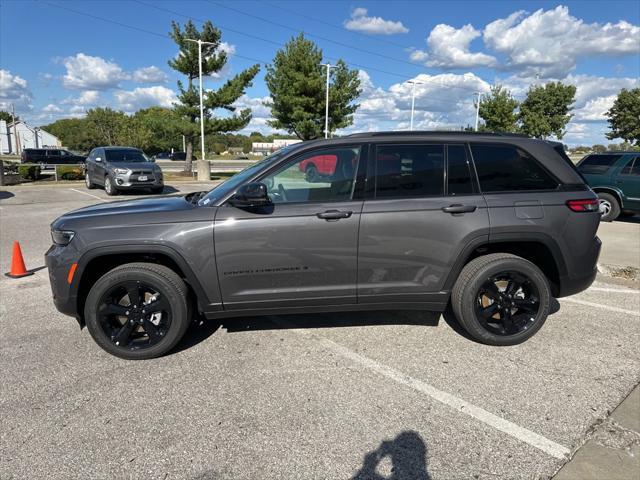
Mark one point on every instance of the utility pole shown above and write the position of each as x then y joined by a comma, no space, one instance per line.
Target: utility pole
15,132
477,109
413,100
200,43
326,107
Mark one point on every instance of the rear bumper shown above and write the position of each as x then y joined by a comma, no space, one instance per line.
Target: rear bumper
578,282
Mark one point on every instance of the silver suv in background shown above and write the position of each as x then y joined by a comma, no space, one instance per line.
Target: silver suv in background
122,168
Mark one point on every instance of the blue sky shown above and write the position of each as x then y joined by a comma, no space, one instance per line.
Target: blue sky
59,58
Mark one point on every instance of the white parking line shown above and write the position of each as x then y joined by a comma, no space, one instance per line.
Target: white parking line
520,433
613,290
87,193
635,313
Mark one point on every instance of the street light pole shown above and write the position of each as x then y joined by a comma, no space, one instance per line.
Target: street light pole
477,110
413,100
326,107
200,43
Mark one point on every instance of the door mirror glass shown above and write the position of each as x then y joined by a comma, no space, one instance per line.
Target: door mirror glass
252,194
98,159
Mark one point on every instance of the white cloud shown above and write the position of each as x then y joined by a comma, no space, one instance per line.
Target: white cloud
225,71
360,22
138,98
51,108
449,48
550,42
150,74
84,72
14,90
88,97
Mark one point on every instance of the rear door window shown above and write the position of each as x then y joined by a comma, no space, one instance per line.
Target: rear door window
409,171
507,168
597,164
632,167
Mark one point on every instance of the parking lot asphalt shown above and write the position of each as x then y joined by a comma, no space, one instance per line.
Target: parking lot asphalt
396,395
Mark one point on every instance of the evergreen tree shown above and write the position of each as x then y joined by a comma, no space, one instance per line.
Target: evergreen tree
213,60
297,83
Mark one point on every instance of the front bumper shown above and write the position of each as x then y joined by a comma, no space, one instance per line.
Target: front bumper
135,180
59,261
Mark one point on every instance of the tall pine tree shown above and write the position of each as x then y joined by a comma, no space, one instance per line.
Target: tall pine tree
213,60
297,83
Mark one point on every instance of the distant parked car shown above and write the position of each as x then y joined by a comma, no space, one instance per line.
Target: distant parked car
615,177
122,168
170,156
50,156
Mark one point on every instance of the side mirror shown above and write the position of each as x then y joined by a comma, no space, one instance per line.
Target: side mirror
251,195
98,159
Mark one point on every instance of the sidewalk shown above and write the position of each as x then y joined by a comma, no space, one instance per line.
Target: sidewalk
612,450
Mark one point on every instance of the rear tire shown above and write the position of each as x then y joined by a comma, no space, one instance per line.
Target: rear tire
609,207
501,299
109,188
117,320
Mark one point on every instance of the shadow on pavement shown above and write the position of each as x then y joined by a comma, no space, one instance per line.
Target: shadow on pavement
407,454
168,189
4,195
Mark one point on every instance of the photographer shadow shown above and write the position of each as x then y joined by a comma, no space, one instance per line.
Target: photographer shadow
407,454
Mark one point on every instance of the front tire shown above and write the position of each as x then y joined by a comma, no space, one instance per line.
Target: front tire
109,188
609,207
501,299
87,181
137,311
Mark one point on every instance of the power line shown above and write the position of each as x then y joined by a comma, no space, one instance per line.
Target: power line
335,59
313,35
333,25
166,37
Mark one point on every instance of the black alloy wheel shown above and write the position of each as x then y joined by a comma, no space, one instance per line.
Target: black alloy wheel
507,303
134,315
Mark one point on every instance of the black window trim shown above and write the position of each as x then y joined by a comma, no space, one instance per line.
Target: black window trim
502,192
473,176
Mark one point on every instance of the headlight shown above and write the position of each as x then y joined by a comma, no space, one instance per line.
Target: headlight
121,171
62,237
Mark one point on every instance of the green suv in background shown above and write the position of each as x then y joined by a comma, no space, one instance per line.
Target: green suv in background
615,177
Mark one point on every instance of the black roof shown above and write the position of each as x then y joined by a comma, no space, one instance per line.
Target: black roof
436,133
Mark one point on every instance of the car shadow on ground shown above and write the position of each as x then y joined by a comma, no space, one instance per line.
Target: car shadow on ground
168,189
201,328
628,219
4,195
403,458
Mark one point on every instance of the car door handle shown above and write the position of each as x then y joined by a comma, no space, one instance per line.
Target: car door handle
334,214
459,208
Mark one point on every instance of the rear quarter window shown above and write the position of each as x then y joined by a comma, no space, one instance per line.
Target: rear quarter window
507,168
597,164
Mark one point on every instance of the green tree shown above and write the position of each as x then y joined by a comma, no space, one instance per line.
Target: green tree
497,110
73,133
297,83
624,116
213,60
545,111
598,148
163,125
6,116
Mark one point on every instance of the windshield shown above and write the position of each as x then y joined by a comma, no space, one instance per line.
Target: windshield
231,184
125,155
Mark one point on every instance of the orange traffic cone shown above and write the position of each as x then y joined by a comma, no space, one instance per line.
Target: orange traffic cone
17,263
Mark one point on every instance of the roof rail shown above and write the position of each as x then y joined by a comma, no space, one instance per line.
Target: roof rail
434,132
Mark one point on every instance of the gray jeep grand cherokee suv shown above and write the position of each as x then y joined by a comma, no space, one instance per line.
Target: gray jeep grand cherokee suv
493,225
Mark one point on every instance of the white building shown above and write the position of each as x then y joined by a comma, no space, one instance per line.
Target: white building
270,147
16,137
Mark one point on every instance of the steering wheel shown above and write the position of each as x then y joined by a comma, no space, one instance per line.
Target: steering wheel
282,193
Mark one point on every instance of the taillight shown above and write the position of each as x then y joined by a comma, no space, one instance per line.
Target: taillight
588,205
